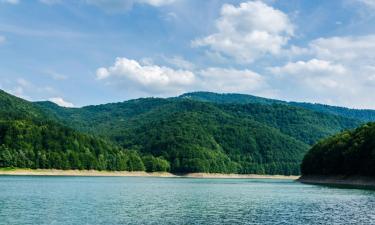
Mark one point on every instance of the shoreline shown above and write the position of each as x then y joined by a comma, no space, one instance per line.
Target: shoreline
96,173
345,181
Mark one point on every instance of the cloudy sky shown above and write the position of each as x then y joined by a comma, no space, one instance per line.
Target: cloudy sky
81,52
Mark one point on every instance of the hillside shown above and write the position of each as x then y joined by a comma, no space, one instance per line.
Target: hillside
12,107
179,134
350,153
196,136
365,115
29,138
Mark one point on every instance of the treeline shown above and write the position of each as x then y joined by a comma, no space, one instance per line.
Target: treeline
47,145
347,153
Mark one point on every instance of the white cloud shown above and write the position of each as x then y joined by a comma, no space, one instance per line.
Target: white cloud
134,77
346,49
341,72
123,5
13,2
249,31
314,81
313,66
150,78
61,102
315,75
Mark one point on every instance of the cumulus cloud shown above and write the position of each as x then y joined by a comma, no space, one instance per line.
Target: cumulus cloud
314,77
121,5
248,31
150,78
61,102
348,49
313,66
340,72
133,76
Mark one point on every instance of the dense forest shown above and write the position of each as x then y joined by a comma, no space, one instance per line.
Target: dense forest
180,135
365,115
47,145
201,136
30,139
348,153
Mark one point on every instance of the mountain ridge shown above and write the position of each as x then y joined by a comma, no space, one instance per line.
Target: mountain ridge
366,115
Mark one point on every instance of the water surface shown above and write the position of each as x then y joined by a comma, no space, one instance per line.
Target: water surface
131,200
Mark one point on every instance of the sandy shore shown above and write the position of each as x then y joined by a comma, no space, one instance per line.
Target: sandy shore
238,176
356,181
53,172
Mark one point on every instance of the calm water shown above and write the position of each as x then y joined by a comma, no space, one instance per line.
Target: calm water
119,200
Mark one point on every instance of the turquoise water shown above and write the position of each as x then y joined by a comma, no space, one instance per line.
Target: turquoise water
125,200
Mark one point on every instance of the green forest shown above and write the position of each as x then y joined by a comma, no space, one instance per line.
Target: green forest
213,133
348,153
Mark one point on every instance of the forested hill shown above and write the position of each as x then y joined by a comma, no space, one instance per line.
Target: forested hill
350,153
359,114
174,134
196,136
29,138
12,108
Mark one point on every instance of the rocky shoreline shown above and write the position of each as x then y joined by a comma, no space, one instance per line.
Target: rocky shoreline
354,181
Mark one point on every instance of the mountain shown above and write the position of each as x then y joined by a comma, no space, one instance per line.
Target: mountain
350,153
365,115
30,138
202,136
196,132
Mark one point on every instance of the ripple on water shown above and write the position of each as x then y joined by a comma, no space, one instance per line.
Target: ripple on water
121,200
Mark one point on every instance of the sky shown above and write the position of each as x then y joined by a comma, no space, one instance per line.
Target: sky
85,52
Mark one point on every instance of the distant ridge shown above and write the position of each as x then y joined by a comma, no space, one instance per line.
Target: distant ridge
366,115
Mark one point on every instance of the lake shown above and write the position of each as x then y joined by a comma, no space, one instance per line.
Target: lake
137,200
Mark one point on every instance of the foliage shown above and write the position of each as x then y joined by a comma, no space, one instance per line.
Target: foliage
347,153
357,114
196,136
154,164
47,145
180,134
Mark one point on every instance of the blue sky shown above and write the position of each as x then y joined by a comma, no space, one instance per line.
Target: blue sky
82,52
